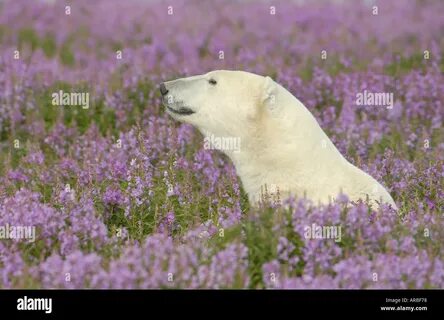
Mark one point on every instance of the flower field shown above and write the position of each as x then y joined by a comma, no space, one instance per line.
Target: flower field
122,196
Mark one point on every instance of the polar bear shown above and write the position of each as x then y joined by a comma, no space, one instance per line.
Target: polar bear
283,148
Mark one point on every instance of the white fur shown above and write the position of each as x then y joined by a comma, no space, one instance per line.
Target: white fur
282,145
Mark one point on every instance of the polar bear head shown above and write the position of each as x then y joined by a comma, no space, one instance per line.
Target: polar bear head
221,103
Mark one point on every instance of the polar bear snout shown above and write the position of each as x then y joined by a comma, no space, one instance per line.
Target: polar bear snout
173,104
163,90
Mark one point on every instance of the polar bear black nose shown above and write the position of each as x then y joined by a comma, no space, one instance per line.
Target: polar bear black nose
163,89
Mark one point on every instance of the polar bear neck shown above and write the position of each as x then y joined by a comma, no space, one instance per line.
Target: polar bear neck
289,134
286,146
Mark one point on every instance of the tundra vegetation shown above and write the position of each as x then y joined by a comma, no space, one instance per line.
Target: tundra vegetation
122,196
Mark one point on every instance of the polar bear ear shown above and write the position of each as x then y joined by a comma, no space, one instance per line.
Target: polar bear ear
269,93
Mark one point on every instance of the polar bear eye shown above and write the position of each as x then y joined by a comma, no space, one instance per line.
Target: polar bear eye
212,82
